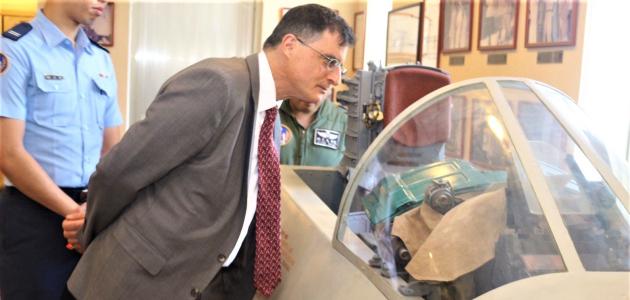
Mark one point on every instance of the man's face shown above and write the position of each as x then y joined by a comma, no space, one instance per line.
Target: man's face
306,107
309,76
84,11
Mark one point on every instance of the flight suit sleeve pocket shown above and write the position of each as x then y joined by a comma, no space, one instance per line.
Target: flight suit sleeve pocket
140,249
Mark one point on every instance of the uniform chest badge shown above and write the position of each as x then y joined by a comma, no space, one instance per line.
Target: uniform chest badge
103,75
285,135
4,63
327,138
53,77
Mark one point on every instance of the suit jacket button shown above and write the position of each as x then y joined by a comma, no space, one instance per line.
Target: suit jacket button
221,258
195,293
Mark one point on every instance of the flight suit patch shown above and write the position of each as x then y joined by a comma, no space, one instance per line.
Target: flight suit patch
327,138
285,135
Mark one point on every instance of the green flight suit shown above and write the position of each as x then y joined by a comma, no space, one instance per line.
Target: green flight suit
322,144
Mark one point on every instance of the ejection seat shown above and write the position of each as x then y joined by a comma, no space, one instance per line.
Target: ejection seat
421,140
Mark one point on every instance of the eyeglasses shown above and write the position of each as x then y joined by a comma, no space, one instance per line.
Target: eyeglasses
331,62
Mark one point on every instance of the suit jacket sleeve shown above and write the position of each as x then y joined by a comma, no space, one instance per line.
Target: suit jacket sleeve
183,118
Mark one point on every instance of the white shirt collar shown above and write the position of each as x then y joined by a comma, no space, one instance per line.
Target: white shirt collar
267,95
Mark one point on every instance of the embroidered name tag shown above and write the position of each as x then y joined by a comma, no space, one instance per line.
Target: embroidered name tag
327,138
53,77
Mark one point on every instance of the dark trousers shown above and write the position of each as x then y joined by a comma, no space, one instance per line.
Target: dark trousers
34,262
235,282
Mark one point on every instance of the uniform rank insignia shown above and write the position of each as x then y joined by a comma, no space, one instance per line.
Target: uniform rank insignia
327,138
4,63
18,31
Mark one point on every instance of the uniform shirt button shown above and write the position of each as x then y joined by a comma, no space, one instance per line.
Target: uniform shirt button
195,292
221,258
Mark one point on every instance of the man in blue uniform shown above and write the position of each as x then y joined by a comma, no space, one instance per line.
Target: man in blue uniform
58,115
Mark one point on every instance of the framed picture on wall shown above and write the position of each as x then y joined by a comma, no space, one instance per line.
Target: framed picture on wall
456,25
404,34
102,29
498,20
359,45
551,23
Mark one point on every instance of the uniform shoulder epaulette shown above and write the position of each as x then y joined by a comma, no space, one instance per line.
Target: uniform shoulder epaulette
18,31
99,46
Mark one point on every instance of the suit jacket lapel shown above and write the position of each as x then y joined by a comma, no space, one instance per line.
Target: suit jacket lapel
254,81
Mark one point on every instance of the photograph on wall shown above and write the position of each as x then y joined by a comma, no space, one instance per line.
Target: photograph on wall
403,30
551,23
456,25
102,29
498,21
359,45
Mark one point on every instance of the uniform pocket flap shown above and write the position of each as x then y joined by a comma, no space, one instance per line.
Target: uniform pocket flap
105,85
140,249
52,83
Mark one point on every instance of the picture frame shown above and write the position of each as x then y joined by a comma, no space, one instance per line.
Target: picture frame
485,149
498,24
359,45
404,35
101,30
456,21
455,144
551,23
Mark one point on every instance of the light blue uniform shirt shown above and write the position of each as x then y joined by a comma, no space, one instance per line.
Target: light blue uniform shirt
65,95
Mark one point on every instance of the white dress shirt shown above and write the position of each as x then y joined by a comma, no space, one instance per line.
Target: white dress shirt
266,100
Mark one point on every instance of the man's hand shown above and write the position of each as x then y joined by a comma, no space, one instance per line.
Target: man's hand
71,226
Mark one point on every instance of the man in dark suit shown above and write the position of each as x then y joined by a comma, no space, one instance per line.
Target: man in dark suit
187,204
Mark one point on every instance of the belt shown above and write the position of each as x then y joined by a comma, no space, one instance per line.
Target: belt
78,194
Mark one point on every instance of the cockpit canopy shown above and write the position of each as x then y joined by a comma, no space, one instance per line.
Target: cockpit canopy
521,187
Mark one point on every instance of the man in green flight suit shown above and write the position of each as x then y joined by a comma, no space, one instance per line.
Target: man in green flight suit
313,134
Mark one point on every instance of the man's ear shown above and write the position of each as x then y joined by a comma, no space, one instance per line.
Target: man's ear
289,44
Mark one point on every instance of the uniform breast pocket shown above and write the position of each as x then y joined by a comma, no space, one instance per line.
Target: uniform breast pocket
102,91
54,101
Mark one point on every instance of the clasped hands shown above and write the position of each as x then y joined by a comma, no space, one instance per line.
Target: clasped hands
71,226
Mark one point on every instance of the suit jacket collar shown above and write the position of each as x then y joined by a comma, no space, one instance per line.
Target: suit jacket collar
252,65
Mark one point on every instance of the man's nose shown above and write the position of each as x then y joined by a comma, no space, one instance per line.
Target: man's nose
334,76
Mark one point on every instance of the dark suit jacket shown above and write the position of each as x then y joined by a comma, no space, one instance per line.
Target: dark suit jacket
167,204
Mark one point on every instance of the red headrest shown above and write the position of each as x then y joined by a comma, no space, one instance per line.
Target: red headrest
404,86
